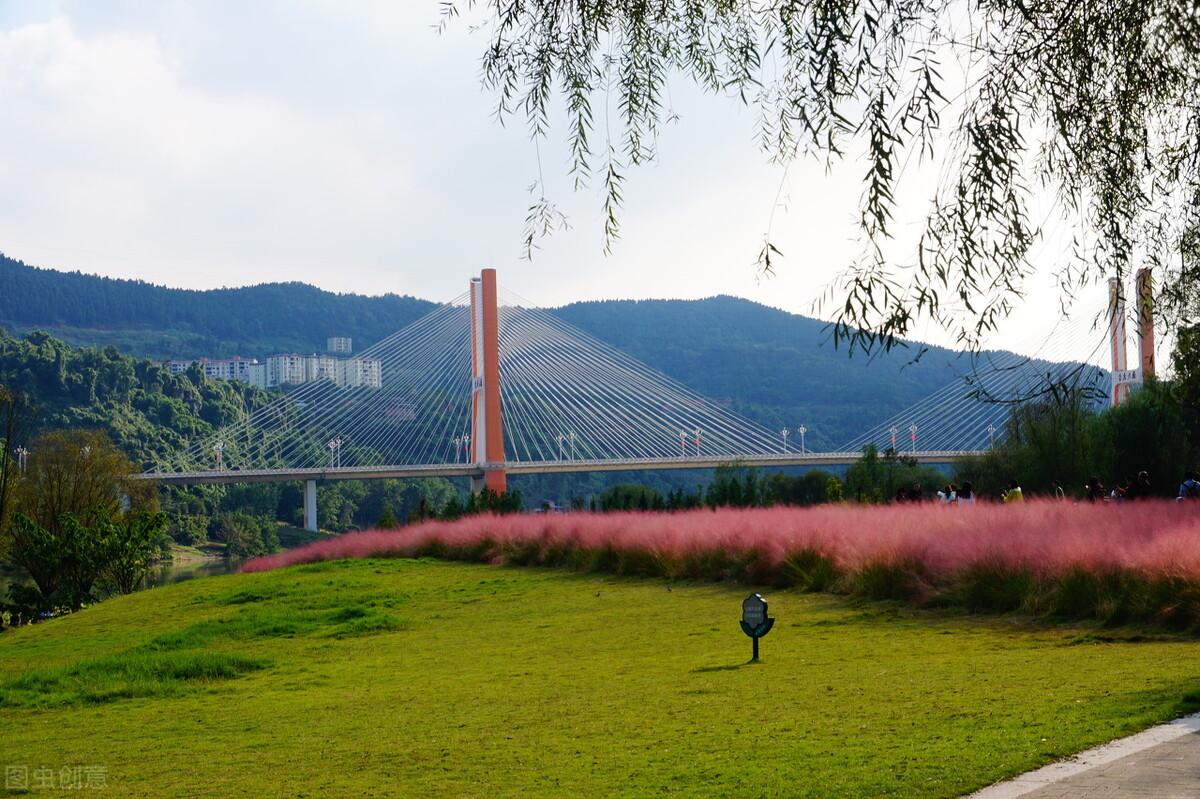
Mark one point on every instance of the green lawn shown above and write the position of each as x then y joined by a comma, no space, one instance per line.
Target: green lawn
418,678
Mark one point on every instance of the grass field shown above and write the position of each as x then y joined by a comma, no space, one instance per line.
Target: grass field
421,678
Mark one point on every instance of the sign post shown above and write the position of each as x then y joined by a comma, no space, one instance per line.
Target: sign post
755,621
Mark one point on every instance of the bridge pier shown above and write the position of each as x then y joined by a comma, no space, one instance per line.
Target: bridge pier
310,505
487,425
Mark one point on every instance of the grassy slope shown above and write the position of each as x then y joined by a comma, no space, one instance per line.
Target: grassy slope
379,678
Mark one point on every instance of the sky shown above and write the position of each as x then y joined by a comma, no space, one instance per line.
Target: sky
351,146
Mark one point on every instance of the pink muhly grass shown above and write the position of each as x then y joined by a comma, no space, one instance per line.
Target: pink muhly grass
1042,537
1151,541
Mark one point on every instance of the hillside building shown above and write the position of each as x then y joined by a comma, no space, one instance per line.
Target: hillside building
339,345
235,368
289,369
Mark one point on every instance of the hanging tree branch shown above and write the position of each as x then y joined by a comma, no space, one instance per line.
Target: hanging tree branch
1094,102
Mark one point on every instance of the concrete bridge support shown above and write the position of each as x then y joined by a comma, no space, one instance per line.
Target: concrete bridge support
310,505
487,425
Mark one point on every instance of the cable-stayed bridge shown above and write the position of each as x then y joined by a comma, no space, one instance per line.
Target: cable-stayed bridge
486,386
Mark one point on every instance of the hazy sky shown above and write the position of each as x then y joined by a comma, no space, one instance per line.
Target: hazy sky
202,144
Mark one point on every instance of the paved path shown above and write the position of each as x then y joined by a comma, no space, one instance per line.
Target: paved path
1163,762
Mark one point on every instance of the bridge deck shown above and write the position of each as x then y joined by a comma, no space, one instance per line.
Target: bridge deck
531,467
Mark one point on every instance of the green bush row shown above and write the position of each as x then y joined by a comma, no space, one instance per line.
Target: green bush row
1112,597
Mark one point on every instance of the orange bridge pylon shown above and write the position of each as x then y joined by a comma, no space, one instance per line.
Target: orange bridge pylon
487,423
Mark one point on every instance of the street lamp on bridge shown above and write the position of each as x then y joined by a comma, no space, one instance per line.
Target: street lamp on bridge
991,428
784,433
894,431
912,431
697,442
571,441
682,443
335,452
802,430
218,451
22,458
560,438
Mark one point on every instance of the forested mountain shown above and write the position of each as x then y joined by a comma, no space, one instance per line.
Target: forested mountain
151,321
774,367
145,409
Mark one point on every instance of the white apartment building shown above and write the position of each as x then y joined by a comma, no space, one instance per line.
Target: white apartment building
256,375
290,369
234,368
340,345
286,370
355,372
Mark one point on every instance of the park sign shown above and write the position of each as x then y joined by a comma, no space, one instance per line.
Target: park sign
755,621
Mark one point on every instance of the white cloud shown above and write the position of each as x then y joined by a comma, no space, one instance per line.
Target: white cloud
109,152
349,146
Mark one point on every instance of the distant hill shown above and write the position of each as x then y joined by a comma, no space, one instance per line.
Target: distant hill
772,366
156,322
778,368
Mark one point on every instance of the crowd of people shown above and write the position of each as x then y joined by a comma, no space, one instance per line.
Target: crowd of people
1138,488
950,494
1131,489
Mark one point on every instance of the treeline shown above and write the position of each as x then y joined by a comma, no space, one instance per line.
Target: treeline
1061,442
732,486
244,518
874,478
254,320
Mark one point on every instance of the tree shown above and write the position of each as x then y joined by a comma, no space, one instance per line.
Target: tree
811,488
866,479
1146,432
80,518
67,564
188,529
1050,440
78,472
15,416
81,556
453,509
488,501
40,553
131,544
1094,101
874,478
387,519
631,496
1186,362
245,535
834,490
736,486
421,512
